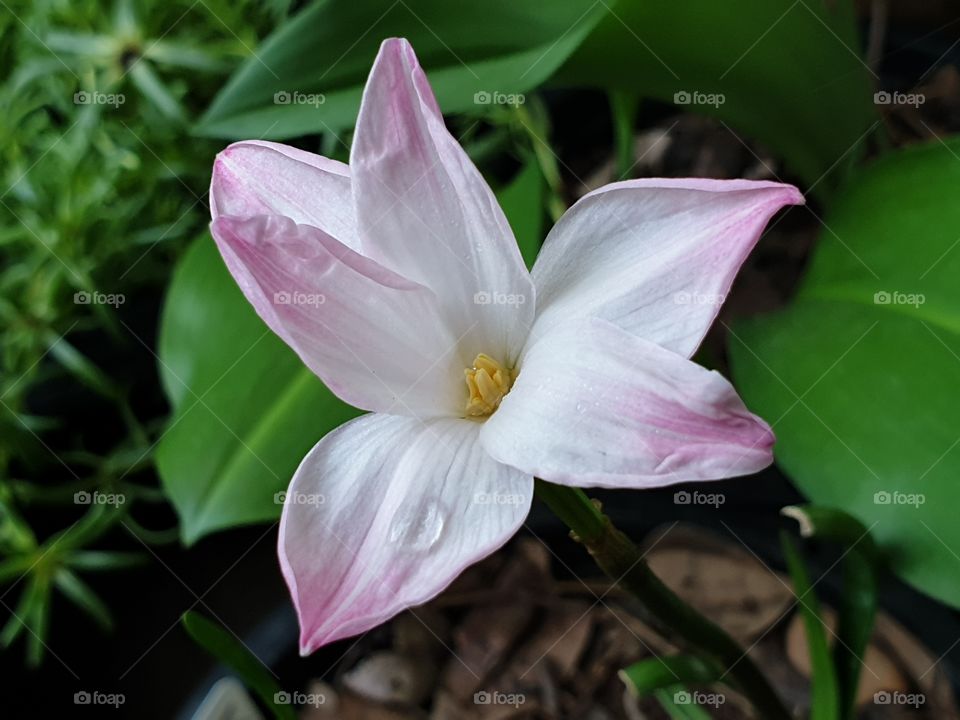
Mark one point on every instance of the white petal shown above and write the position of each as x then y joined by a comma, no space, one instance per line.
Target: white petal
655,257
384,513
596,406
376,339
426,212
255,177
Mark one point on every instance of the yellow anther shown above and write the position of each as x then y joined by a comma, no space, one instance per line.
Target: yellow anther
487,382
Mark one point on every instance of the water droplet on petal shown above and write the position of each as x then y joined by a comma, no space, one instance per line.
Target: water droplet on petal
418,527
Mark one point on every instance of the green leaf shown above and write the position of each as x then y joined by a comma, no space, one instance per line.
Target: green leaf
26,607
14,567
623,108
78,364
102,46
500,46
38,623
789,72
165,52
522,203
643,677
235,655
84,597
860,375
246,409
99,560
94,523
858,601
150,84
824,700
675,706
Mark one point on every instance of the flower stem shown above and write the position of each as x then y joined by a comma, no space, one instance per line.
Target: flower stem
619,558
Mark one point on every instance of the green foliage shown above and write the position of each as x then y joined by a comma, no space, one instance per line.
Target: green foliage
824,693
40,568
98,192
861,564
859,376
308,76
102,187
646,676
522,202
790,74
229,650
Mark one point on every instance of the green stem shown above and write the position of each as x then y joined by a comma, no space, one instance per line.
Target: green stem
619,558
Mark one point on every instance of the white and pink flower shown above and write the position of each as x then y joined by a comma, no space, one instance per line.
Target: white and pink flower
477,374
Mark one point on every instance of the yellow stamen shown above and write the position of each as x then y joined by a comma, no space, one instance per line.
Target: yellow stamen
487,382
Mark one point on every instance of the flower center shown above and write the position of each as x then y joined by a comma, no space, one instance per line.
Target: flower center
487,382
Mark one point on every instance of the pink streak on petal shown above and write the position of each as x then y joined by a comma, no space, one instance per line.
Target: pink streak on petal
631,251
400,519
594,406
426,212
376,339
254,177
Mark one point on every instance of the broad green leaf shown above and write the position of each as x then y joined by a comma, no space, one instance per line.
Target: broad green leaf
789,73
824,693
858,601
522,203
860,376
235,655
308,76
246,409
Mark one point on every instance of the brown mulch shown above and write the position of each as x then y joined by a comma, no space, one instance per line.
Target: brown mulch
508,641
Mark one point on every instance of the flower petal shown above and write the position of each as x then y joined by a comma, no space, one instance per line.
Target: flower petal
595,406
384,513
425,211
655,257
255,177
376,339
